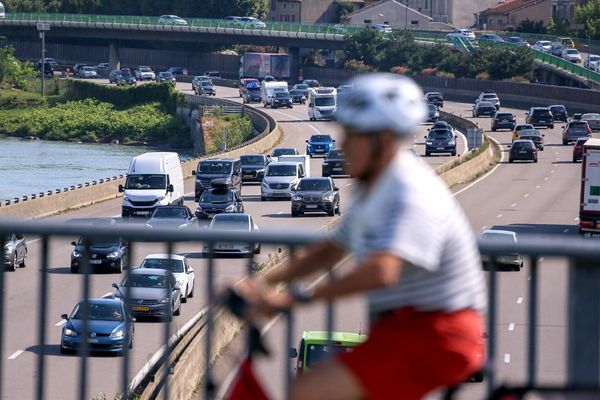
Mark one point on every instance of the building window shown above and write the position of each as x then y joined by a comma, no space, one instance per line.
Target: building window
284,6
414,22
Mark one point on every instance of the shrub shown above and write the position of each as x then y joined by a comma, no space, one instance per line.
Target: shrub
238,129
428,71
444,74
483,76
359,66
399,70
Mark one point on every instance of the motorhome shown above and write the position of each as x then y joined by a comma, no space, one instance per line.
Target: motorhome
2,11
322,103
268,89
153,179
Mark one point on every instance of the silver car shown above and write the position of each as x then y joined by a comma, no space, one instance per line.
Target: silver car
233,222
512,262
280,178
179,266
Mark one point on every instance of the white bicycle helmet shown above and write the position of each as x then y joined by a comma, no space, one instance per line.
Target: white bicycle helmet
382,101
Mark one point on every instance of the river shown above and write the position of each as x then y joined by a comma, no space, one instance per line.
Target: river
28,167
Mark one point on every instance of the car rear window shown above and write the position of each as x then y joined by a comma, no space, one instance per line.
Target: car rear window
558,109
578,125
541,113
522,145
503,115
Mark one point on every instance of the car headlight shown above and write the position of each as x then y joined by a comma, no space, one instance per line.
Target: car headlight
165,300
114,254
230,208
76,254
297,198
325,163
70,332
328,197
428,143
199,209
117,334
451,143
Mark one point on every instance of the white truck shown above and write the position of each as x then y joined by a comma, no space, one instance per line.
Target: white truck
153,179
589,204
268,89
301,158
322,103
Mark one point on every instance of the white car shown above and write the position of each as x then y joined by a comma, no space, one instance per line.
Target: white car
512,262
88,72
543,45
571,55
592,62
463,34
489,97
145,74
280,178
251,22
179,266
233,222
171,20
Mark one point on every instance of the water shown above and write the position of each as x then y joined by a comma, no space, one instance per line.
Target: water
28,167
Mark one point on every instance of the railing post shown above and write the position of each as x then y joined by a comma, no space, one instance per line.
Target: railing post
42,320
491,326
209,387
532,339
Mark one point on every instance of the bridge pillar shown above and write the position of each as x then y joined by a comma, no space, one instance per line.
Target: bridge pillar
583,321
294,53
113,55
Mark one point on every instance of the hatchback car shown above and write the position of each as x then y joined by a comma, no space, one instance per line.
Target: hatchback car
152,293
253,167
206,87
106,254
543,45
297,96
179,266
114,76
126,79
88,72
593,120
319,144
557,50
175,216
575,130
144,73
219,199
197,79
512,262
233,222
490,97
484,108
335,164
316,195
15,251
578,149
571,55
434,98
171,20
281,99
504,120
518,128
165,77
540,116
559,112
110,327
535,136
522,150
440,141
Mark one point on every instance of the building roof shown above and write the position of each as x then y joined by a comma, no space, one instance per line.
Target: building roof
508,6
379,3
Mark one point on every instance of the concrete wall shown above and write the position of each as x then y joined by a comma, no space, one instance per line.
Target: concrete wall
394,13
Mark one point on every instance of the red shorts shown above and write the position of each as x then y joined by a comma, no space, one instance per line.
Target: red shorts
410,353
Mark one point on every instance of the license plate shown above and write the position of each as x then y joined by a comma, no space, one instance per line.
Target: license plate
248,176
225,246
440,148
140,308
142,212
337,169
522,152
319,150
505,121
95,261
93,341
311,206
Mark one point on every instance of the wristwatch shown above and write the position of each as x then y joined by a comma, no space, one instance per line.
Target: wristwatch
302,296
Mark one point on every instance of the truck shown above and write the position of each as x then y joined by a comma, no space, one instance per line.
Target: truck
300,158
268,89
322,103
260,65
589,204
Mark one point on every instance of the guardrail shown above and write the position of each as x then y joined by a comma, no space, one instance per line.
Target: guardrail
582,254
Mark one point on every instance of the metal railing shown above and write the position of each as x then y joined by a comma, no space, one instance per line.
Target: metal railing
583,287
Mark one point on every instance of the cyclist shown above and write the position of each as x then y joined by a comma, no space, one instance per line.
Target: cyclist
415,255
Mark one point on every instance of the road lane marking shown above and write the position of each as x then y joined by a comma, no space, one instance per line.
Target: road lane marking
513,205
280,212
526,195
541,259
499,216
348,184
60,323
546,178
537,187
502,157
552,171
298,119
483,228
15,354
507,358
511,326
519,300
576,219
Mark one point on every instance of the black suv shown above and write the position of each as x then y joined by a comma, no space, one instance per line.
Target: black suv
253,167
316,194
219,199
48,68
281,99
107,254
435,98
252,95
15,251
335,163
440,140
504,120
559,112
540,116
227,168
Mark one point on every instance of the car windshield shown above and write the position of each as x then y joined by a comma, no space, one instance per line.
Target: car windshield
498,237
147,281
100,242
530,133
314,184
99,312
170,212
521,127
230,224
590,116
214,196
163,263
254,90
594,58
145,69
324,102
522,145
207,83
503,115
142,182
578,125
440,134
315,353
282,95
283,152
165,75
281,170
336,154
432,107
490,96
301,86
558,109
214,167
296,93
127,76
89,68
434,96
320,138
252,160
572,51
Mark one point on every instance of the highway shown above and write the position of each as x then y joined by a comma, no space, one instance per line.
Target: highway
524,197
62,371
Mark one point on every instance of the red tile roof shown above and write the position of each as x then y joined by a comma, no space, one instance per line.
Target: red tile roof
511,5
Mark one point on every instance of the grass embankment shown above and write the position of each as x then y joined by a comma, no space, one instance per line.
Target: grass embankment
88,112
236,128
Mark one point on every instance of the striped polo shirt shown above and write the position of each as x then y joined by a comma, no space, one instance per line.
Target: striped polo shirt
409,212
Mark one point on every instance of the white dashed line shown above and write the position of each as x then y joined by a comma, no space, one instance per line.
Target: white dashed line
507,358
526,195
499,216
15,354
552,171
519,300
513,205
280,212
511,326
483,228
541,259
348,184
576,219
537,187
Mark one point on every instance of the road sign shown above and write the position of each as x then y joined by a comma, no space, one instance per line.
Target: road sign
474,138
43,26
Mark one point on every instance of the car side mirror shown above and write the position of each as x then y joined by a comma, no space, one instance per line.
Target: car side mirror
115,286
64,316
73,243
293,353
336,189
306,140
455,136
194,172
121,189
19,236
563,127
170,188
509,146
177,287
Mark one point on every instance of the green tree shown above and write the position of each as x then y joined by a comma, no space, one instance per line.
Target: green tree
13,72
529,26
588,14
505,63
342,8
399,49
557,26
365,45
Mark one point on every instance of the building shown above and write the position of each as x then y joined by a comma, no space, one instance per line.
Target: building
306,11
511,13
395,13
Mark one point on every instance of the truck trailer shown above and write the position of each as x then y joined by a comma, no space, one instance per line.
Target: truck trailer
589,204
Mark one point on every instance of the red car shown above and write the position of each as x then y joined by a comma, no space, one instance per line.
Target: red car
578,149
244,84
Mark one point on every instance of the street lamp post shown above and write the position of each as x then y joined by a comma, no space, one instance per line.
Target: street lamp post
42,28
406,16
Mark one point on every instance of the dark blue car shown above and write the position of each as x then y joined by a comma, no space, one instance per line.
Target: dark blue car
319,145
110,327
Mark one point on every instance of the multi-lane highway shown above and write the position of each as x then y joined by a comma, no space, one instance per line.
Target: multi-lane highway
20,349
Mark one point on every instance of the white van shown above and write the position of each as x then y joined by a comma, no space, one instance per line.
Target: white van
267,90
153,179
2,11
280,178
303,159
